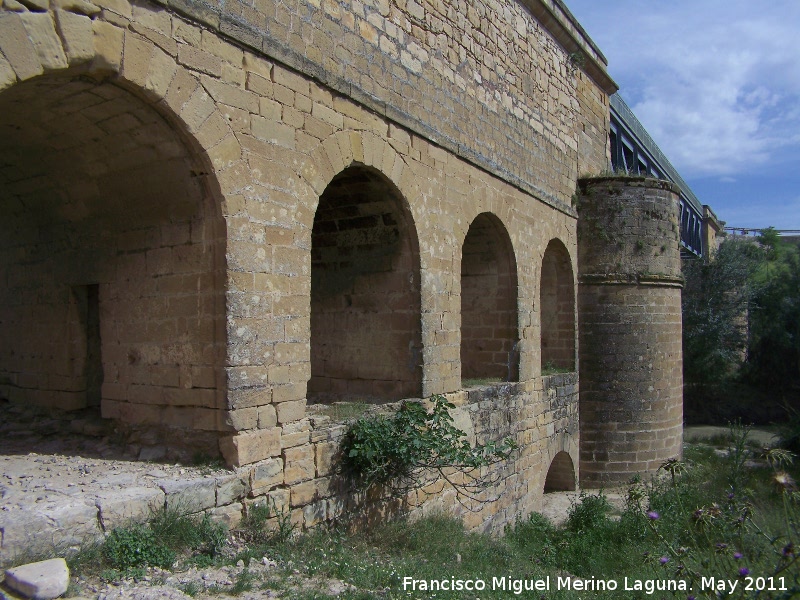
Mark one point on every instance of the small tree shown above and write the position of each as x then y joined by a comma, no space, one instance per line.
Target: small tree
717,299
774,355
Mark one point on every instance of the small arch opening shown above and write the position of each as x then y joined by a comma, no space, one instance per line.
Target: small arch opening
557,304
489,333
365,293
560,475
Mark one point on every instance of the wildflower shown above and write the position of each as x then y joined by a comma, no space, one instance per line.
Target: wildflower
737,555
744,571
721,547
785,481
664,560
788,550
653,515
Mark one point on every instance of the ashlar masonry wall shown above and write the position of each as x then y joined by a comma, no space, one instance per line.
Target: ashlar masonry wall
209,137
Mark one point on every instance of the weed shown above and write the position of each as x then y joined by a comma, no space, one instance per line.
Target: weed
244,582
267,524
589,512
414,448
136,546
181,531
190,588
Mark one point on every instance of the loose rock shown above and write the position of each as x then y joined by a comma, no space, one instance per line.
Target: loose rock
40,580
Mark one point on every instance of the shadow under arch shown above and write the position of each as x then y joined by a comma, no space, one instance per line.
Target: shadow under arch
561,474
365,291
113,247
489,331
557,309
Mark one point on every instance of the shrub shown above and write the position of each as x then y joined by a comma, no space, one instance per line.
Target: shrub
136,546
588,513
395,450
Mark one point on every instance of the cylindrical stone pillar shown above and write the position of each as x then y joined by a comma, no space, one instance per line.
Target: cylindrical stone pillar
629,302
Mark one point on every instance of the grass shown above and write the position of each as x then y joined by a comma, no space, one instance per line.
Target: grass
476,382
345,411
708,516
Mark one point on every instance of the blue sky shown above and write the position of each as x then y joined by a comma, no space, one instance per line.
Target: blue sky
717,85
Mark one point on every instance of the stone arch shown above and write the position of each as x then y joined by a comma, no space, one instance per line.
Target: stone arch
560,474
365,291
114,240
489,332
557,309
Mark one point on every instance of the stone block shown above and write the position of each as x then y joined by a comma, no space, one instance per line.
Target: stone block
108,42
266,475
229,515
190,495
7,75
243,418
293,410
198,60
160,73
17,48
230,489
77,34
40,580
299,464
136,58
310,491
324,453
121,506
246,448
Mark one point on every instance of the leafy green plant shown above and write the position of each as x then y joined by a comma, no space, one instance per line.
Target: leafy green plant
136,546
590,511
396,451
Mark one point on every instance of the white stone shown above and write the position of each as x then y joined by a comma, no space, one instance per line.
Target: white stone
41,580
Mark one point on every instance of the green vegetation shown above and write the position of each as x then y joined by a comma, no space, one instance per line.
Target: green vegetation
479,381
169,533
550,368
728,513
413,448
136,546
741,319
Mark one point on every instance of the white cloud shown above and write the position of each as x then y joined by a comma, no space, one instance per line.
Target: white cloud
715,82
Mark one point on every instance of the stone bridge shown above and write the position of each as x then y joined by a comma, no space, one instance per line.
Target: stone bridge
214,215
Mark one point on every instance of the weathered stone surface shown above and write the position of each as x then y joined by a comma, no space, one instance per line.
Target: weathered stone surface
76,32
231,488
17,48
265,476
247,448
41,30
41,580
191,495
121,506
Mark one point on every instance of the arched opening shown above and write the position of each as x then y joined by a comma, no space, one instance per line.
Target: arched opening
365,293
560,475
488,303
110,257
557,302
